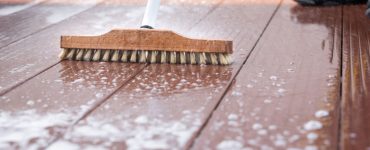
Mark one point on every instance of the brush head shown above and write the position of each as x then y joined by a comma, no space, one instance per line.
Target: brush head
146,46
146,56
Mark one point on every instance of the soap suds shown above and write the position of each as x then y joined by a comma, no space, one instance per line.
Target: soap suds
312,125
229,144
321,113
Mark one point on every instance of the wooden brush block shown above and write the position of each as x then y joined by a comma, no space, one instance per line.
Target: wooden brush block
146,39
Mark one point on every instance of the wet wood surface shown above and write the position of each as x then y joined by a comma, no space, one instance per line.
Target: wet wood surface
36,53
282,91
356,79
25,22
274,99
166,106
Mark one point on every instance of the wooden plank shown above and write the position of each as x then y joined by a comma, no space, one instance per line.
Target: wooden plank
9,7
36,113
355,122
42,109
165,105
59,96
25,59
287,94
29,21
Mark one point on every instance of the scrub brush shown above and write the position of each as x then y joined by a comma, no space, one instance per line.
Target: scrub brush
146,45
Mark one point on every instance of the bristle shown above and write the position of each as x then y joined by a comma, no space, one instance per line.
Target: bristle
222,59
143,55
79,54
228,58
71,54
115,56
147,56
133,56
213,57
202,58
124,56
173,58
183,57
192,58
96,56
153,56
87,56
63,53
106,55
164,57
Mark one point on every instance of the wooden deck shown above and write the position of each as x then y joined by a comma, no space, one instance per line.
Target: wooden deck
300,78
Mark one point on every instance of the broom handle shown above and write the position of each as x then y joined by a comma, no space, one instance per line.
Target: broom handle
150,14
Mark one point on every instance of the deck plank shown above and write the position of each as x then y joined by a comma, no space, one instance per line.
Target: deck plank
355,120
281,97
43,108
33,19
27,58
165,105
70,89
10,7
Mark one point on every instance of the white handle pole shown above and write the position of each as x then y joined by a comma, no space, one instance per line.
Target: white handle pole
150,13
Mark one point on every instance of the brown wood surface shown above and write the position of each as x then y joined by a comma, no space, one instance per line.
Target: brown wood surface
144,39
166,105
293,73
355,122
35,54
283,91
20,24
43,108
8,7
56,98
79,90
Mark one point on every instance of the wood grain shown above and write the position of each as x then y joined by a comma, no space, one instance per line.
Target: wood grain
287,93
21,24
43,108
144,39
33,55
8,7
355,122
166,105
66,92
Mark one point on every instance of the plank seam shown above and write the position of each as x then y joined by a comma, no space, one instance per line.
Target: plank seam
49,26
27,79
95,106
341,82
198,133
88,112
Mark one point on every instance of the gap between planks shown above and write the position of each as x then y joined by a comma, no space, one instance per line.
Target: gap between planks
197,134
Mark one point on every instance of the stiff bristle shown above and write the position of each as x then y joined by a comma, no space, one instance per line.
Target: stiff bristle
79,54
115,56
202,58
147,56
96,56
88,55
183,57
173,58
63,54
163,57
71,54
133,57
213,58
106,55
192,59
143,56
153,57
124,57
